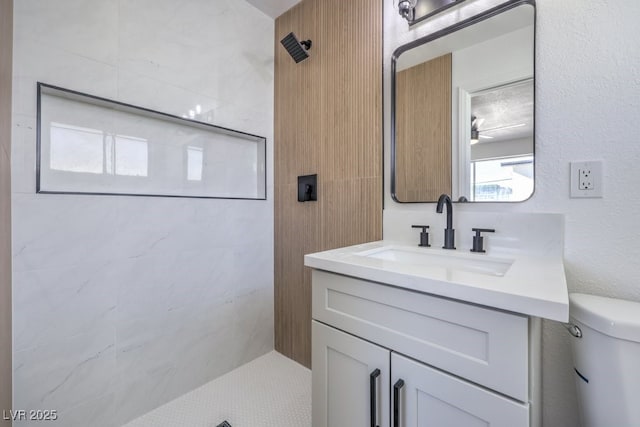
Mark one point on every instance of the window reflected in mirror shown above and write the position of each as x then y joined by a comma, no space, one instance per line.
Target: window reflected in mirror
507,179
501,143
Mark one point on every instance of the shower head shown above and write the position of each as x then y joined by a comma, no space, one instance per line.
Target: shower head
297,50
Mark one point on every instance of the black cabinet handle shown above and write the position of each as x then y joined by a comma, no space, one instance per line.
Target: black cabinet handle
396,402
373,396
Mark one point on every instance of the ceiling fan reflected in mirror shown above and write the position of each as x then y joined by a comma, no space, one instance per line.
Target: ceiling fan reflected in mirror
477,133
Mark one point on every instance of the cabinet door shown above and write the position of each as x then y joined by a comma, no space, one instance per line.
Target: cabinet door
350,380
426,397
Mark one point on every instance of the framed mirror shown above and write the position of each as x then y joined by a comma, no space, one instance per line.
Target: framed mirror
462,110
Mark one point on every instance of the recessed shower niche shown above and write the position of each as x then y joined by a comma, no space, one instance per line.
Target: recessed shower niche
92,145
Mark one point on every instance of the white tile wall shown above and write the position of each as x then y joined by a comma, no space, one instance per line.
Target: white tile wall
123,303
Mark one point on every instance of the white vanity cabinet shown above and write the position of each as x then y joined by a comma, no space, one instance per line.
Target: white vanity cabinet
429,397
409,359
351,379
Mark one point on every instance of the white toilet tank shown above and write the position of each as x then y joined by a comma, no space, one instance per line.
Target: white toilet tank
607,360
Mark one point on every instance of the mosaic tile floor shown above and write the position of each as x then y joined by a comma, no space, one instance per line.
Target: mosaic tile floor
270,391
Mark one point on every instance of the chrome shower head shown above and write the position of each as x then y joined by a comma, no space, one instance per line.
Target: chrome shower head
297,50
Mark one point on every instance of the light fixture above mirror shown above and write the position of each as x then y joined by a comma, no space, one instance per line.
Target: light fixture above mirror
415,11
406,9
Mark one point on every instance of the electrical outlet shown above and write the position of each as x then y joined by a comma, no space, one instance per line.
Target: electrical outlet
586,179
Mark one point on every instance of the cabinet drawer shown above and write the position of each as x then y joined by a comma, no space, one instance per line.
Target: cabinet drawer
429,397
485,346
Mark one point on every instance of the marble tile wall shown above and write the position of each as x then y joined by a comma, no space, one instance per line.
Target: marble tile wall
124,303
6,31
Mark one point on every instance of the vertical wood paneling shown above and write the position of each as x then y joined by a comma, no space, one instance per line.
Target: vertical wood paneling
351,212
349,105
6,40
297,225
423,131
297,94
328,120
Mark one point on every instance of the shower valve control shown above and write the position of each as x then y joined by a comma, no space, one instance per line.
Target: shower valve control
308,188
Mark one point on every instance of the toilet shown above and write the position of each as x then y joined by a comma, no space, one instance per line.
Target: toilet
606,354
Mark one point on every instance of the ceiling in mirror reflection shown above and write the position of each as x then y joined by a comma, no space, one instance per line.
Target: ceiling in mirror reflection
504,113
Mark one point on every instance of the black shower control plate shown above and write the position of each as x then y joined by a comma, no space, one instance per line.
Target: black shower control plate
308,188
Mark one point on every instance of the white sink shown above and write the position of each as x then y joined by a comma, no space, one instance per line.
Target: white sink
474,263
534,285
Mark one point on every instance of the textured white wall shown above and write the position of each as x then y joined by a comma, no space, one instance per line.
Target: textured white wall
123,303
587,107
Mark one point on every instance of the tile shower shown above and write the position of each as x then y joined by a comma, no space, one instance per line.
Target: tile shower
124,303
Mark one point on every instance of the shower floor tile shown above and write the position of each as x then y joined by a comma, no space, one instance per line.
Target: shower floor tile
270,391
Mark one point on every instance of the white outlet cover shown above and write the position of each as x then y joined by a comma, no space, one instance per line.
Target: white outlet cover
595,169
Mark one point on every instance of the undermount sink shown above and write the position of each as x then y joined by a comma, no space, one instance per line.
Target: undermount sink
479,264
527,283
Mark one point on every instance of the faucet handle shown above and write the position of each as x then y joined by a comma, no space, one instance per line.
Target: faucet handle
478,240
424,235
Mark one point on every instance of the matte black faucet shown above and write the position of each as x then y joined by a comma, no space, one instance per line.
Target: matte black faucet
449,232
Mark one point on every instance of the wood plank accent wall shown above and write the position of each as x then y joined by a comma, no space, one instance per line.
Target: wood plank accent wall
6,40
423,131
328,120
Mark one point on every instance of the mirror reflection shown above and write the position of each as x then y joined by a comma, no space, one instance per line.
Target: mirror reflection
463,111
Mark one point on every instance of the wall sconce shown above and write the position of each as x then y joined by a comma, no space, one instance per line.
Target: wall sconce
406,8
415,11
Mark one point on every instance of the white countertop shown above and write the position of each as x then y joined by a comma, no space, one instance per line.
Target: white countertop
533,285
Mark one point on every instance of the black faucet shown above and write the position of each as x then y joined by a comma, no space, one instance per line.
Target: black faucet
449,232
